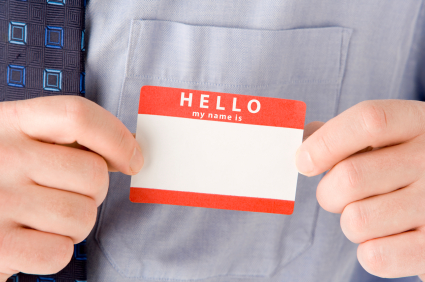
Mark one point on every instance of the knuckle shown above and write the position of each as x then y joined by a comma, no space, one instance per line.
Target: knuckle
325,194
11,202
325,144
354,222
372,259
60,256
53,257
322,195
339,185
9,112
78,210
76,110
89,214
63,207
350,175
373,116
124,143
98,181
86,219
6,246
121,138
14,154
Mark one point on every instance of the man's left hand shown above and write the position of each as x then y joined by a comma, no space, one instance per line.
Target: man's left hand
380,191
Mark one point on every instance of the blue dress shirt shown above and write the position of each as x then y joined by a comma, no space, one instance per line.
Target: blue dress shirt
331,54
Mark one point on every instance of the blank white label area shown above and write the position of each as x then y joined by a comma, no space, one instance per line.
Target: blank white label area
213,157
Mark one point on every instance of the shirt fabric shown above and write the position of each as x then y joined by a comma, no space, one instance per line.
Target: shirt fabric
331,54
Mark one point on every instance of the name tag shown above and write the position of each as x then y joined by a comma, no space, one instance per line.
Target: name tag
217,150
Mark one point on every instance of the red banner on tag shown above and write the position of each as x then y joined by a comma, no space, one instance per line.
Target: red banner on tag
235,108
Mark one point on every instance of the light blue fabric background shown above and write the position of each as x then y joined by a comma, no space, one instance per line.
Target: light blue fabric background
330,54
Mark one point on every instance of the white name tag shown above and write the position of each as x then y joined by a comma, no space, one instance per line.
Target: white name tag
217,150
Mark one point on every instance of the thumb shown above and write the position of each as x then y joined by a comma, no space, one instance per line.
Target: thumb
310,128
422,277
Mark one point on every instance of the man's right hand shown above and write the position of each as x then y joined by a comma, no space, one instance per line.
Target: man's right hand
49,193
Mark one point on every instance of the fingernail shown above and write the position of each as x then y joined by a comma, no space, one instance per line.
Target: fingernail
136,161
303,162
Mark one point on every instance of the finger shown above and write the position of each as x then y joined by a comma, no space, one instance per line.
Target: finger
310,128
56,211
394,256
66,119
66,168
384,215
35,252
371,123
78,146
4,277
422,277
368,174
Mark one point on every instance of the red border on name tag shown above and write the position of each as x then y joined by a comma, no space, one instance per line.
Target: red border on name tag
220,107
237,203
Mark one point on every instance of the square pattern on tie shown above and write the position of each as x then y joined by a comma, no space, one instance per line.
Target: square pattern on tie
80,252
56,2
16,76
42,50
54,37
45,279
83,83
18,33
83,44
52,80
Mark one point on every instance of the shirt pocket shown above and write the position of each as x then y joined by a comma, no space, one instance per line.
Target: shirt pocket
163,242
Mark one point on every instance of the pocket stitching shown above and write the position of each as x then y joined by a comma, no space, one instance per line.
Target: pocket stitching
237,85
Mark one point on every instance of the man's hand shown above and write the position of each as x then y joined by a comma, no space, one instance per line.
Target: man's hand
380,192
49,193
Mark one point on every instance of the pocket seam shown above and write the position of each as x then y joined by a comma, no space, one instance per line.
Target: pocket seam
236,85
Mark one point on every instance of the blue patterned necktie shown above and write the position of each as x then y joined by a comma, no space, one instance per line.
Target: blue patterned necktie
42,54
